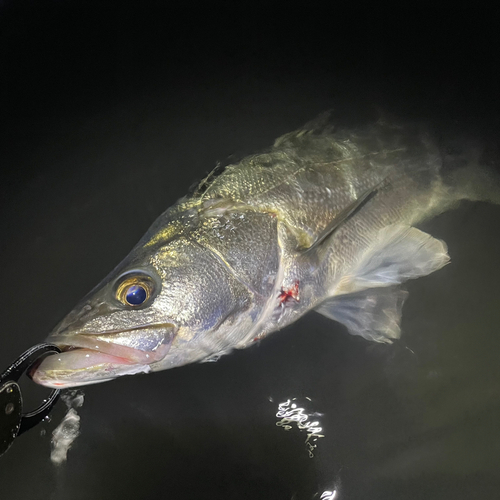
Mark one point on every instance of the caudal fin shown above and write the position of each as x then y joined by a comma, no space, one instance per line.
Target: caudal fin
476,182
471,168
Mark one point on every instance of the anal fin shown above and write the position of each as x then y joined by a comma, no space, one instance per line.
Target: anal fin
374,314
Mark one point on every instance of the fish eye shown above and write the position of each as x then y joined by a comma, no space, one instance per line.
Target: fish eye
136,295
135,290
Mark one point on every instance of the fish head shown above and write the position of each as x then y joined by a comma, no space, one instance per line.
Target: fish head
164,306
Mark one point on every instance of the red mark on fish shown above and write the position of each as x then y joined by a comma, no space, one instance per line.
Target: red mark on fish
287,294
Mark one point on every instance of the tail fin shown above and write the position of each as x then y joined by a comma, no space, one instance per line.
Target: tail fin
471,169
476,183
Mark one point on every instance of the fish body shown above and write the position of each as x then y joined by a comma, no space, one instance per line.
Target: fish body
324,220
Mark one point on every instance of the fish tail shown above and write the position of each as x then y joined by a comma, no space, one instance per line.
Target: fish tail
471,170
476,183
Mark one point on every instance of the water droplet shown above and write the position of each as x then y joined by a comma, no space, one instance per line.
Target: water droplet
9,408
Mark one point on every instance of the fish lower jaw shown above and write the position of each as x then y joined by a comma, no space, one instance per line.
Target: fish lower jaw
85,360
79,367
127,354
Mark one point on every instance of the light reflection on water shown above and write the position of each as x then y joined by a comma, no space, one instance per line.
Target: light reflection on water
68,430
328,495
290,413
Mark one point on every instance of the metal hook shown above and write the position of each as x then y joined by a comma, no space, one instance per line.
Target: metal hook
14,372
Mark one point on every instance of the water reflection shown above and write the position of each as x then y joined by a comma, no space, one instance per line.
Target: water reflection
68,430
290,413
328,495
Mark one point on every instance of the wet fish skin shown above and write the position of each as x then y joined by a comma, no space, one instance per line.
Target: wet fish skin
323,220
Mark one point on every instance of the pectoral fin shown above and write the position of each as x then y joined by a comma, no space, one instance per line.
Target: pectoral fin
342,217
366,301
374,314
400,253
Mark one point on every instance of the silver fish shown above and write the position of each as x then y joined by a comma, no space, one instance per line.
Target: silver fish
324,220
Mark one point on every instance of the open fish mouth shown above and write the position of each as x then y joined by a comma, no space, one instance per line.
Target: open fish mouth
93,358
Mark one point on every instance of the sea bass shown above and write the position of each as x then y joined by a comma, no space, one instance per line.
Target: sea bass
324,220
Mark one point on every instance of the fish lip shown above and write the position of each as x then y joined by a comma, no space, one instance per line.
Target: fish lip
86,340
73,333
121,360
102,371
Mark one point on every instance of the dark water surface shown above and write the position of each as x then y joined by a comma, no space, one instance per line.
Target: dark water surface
108,116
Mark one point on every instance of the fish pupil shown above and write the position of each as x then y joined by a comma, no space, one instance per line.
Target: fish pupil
136,295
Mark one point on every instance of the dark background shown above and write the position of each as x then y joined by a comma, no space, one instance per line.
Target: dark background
110,111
